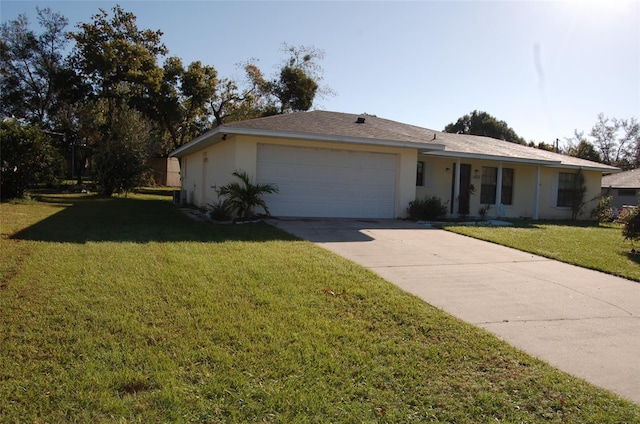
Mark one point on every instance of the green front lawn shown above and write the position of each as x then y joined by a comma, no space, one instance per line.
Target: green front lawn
586,244
124,310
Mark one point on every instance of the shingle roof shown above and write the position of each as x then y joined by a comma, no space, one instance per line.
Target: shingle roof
340,125
374,130
626,179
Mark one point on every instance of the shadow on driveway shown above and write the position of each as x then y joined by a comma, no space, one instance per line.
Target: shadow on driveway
330,230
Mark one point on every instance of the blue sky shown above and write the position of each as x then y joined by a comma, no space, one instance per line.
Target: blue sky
546,68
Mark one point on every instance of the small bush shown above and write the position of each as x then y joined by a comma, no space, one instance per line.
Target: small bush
631,224
604,212
427,209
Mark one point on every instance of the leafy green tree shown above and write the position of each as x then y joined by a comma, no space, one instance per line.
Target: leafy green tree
28,157
121,156
481,123
118,60
181,105
32,66
243,197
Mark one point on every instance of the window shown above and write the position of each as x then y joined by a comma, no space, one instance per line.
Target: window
490,183
420,174
507,186
626,192
488,187
566,181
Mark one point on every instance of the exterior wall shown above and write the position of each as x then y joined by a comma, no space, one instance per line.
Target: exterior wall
206,170
548,193
439,179
618,199
406,180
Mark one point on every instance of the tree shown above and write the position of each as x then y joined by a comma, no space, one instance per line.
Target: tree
543,146
481,123
296,85
617,141
580,147
119,61
120,157
33,65
244,196
28,157
182,101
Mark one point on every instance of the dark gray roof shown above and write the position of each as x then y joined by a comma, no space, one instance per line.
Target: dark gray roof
626,179
324,125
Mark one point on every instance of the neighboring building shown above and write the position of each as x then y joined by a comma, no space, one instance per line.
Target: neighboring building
165,171
623,187
329,164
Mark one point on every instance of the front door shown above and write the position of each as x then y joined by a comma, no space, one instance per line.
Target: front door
465,185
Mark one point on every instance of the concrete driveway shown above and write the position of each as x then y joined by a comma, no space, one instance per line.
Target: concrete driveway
581,321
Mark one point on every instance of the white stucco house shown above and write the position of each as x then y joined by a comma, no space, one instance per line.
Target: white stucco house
330,164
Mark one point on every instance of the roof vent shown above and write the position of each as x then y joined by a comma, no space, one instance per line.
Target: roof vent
360,121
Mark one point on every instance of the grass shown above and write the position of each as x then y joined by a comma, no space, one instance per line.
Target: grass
124,310
586,244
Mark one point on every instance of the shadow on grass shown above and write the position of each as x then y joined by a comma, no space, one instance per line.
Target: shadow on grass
85,219
633,256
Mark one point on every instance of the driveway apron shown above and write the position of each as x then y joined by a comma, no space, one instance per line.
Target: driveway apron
581,321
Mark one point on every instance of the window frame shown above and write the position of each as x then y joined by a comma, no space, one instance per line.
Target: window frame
420,171
488,185
566,183
507,189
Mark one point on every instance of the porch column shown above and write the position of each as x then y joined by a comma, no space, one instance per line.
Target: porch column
536,198
456,188
499,191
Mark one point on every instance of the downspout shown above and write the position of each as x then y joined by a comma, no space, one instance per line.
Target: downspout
536,199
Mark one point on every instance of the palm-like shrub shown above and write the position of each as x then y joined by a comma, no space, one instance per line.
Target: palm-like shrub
243,197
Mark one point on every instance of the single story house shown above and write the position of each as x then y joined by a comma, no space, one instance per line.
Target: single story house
623,187
330,164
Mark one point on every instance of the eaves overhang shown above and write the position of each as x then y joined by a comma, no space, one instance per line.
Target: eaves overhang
528,161
221,133
467,155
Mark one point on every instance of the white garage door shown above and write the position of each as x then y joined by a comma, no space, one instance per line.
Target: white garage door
328,183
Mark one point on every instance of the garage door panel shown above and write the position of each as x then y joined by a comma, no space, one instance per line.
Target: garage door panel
328,182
